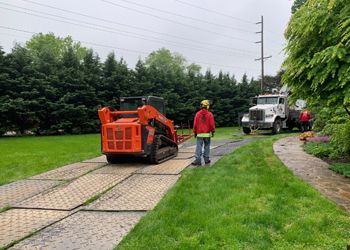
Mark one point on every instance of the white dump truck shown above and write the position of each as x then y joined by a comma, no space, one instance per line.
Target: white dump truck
272,112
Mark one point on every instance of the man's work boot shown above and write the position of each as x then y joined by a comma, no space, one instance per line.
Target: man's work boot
207,162
196,163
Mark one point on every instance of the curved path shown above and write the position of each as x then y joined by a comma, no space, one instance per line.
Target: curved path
314,171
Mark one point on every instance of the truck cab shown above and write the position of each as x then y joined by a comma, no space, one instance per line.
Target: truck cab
270,111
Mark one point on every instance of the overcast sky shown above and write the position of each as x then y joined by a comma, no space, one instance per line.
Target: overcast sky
214,34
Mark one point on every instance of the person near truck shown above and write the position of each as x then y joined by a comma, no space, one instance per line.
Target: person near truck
305,118
203,129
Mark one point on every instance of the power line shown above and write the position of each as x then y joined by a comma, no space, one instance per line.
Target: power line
214,11
13,35
221,14
170,20
187,17
79,41
221,65
116,31
134,27
112,30
123,49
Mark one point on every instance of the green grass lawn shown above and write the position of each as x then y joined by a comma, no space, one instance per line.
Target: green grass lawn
341,168
248,200
233,133
22,157
226,133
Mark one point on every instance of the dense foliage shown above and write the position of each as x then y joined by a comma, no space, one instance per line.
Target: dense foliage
297,4
318,62
54,85
319,149
318,65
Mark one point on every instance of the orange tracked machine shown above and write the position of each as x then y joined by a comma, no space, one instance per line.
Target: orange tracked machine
140,128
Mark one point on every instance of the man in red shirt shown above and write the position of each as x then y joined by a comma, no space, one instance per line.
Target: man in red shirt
203,129
304,118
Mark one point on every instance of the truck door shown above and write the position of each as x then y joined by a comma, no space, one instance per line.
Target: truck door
281,107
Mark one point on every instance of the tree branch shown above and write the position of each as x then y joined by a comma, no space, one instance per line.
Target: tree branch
347,111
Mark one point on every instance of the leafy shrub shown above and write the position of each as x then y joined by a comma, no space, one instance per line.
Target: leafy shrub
340,138
341,168
320,119
324,116
319,149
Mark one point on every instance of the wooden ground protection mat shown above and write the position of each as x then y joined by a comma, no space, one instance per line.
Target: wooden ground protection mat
75,193
84,230
69,171
137,193
168,167
16,224
18,191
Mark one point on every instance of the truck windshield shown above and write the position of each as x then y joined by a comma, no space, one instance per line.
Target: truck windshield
267,100
131,104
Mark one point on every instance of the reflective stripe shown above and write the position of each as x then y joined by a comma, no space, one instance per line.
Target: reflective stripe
204,135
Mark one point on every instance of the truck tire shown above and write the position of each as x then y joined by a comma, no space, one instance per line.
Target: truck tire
277,125
246,130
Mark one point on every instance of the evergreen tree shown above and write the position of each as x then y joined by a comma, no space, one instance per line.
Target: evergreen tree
92,78
5,92
53,85
110,89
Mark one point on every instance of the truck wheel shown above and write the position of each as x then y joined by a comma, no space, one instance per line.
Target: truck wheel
277,125
246,130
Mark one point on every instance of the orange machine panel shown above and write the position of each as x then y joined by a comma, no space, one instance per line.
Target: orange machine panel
121,137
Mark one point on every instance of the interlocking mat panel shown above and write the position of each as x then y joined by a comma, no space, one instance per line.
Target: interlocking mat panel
16,224
18,191
120,169
73,194
100,159
137,193
183,155
84,230
69,171
168,167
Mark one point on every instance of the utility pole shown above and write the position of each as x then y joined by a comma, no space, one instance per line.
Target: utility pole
262,58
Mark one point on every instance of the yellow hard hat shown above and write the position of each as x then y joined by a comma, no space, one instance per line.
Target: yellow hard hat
205,104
